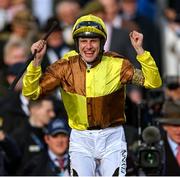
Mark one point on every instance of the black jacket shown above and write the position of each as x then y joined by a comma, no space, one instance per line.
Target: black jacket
42,165
171,165
30,141
12,113
9,156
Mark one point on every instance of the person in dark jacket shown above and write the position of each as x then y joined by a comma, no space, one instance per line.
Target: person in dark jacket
30,137
56,46
55,159
9,154
13,115
171,124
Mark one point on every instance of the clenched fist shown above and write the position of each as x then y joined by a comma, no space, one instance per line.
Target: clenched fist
40,48
137,41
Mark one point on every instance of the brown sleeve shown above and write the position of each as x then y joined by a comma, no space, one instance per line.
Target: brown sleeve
127,71
53,76
129,74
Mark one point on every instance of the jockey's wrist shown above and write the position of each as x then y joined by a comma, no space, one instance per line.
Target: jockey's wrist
36,63
139,51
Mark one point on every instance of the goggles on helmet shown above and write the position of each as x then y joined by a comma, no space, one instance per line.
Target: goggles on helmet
89,27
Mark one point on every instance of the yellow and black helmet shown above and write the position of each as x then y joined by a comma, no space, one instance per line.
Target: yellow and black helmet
89,26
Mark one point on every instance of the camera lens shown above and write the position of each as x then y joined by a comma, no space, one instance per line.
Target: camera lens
149,158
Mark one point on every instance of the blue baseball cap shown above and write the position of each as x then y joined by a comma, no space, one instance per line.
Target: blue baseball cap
57,126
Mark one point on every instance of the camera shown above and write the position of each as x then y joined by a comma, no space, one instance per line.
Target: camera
150,159
150,153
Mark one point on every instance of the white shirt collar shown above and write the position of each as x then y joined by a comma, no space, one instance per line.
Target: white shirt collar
24,99
109,35
117,22
173,145
24,104
52,156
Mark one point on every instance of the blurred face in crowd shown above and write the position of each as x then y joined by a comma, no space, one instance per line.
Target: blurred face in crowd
41,114
173,131
135,96
55,39
89,49
15,54
20,30
57,143
111,9
2,135
67,12
100,14
129,7
173,94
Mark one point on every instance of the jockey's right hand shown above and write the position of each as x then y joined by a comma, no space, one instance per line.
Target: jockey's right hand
40,47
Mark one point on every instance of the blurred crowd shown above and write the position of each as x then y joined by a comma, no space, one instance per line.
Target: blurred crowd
34,134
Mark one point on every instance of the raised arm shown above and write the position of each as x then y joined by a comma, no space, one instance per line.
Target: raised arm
149,75
34,84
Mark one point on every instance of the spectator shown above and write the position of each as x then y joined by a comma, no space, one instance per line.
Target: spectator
155,100
14,106
55,159
4,6
56,46
13,61
151,31
8,9
112,12
9,154
136,107
67,12
95,8
171,124
171,37
171,49
24,28
30,137
15,7
172,11
172,91
38,9
14,52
